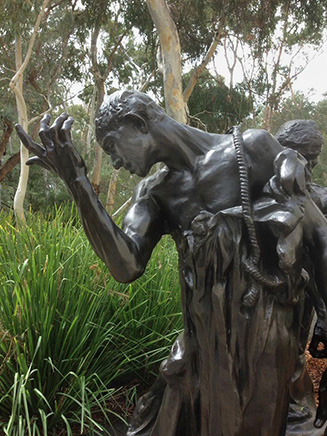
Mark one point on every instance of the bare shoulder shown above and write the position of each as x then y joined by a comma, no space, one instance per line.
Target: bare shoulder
261,141
149,185
144,216
258,134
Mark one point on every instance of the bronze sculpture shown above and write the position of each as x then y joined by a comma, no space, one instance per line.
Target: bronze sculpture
305,137
249,238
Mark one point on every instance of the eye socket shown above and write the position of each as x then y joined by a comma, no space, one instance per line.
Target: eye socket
108,145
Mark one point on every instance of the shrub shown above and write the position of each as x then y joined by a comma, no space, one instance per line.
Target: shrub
68,331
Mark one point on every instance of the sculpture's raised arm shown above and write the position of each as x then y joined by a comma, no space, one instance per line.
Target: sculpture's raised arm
125,252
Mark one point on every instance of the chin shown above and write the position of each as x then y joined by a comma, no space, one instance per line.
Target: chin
141,173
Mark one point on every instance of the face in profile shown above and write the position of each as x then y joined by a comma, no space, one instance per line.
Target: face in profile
130,146
122,130
303,136
311,153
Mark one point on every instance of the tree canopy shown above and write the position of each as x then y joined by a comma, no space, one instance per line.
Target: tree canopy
93,47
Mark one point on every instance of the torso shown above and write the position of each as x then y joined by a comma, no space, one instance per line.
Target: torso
214,182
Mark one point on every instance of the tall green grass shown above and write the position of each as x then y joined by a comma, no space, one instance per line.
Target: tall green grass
69,334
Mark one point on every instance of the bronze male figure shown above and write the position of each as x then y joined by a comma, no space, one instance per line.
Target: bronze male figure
249,239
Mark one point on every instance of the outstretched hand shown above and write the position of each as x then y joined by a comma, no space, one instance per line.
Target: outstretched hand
57,152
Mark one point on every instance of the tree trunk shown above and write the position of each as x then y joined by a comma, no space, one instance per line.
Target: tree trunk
17,88
267,117
171,54
90,127
16,85
99,84
112,191
96,170
275,94
100,80
9,165
7,131
196,73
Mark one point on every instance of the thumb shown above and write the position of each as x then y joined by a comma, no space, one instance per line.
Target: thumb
37,161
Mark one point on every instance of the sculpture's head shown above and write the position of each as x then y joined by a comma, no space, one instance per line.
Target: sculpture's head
302,136
123,129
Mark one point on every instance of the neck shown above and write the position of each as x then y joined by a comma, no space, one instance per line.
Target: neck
180,145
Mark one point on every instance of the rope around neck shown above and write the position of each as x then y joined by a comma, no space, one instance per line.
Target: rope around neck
251,263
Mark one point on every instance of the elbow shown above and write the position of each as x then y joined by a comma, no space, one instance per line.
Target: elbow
125,265
125,274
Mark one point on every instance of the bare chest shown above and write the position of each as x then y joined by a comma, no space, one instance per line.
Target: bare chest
212,186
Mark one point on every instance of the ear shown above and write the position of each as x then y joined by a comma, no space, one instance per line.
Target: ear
138,121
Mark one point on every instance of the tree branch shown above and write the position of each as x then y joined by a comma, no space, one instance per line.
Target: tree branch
40,116
51,108
60,62
231,66
6,54
110,59
196,73
146,83
94,52
7,131
56,4
22,68
9,165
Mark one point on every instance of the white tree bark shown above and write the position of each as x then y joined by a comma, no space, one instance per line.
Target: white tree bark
112,191
16,85
196,73
90,127
17,88
100,80
171,54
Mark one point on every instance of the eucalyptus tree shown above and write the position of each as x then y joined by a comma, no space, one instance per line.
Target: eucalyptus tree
16,85
113,58
100,32
320,114
37,51
216,107
199,28
274,58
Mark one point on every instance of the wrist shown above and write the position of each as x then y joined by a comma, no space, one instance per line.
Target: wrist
78,182
75,175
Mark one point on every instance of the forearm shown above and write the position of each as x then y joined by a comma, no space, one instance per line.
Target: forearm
118,251
124,253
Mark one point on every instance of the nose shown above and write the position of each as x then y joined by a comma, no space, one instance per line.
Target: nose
117,163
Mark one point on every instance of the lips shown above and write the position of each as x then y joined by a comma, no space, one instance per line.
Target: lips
129,167
117,163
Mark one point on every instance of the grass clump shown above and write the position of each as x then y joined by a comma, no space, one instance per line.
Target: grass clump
69,334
